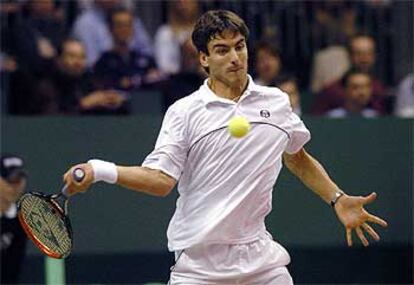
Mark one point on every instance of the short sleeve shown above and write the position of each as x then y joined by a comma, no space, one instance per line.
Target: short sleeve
170,152
299,134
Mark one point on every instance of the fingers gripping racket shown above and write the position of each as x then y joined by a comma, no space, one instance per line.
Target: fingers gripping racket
45,221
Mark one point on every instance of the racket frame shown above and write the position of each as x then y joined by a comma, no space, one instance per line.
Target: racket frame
50,199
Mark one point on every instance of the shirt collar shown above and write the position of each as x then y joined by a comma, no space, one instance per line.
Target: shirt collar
209,96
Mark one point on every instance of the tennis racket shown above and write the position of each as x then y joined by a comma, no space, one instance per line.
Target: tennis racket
45,221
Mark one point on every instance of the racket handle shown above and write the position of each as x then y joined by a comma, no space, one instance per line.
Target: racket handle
78,174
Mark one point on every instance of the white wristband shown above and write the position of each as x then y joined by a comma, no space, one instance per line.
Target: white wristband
104,171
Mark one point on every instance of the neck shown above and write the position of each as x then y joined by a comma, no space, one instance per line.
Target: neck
232,92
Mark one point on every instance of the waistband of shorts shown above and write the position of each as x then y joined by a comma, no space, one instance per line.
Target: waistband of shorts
260,236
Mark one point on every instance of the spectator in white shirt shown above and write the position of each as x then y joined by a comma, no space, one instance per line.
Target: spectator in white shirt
404,106
91,28
170,37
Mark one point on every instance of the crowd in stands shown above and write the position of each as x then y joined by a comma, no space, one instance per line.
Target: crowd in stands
103,59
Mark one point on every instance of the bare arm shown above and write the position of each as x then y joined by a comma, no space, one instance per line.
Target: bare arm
136,178
142,179
312,174
349,209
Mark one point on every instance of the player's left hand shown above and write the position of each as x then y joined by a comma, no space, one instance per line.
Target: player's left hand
350,211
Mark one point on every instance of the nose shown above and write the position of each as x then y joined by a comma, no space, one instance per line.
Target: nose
234,57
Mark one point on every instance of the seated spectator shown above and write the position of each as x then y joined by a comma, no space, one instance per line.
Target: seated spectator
404,105
69,87
362,55
188,79
91,27
289,84
182,15
268,63
358,94
123,68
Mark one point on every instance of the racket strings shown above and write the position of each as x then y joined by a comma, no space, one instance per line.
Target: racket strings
46,224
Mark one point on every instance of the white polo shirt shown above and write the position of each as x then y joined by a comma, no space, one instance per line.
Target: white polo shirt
225,184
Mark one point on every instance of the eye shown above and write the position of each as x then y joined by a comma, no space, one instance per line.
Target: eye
240,47
221,51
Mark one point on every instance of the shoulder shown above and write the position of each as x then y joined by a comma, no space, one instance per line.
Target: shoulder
269,91
87,18
337,113
188,103
274,94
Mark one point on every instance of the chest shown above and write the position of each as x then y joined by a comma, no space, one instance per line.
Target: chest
214,117
209,138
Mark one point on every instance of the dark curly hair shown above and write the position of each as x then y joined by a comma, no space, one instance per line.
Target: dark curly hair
213,23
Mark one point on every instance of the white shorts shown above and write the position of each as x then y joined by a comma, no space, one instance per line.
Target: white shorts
261,262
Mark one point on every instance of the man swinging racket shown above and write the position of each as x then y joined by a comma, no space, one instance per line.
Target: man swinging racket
225,183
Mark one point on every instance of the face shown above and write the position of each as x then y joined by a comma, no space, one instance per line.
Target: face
292,90
227,58
267,65
359,90
363,53
73,58
122,27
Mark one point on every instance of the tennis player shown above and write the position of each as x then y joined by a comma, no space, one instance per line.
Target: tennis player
225,184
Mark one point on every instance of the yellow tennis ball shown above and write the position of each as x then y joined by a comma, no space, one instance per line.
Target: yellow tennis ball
238,127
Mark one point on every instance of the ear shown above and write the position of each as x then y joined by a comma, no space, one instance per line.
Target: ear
203,59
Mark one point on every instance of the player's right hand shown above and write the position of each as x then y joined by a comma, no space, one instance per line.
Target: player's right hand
82,186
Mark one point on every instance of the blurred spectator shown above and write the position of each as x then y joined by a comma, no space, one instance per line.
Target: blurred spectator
68,88
268,63
123,68
35,36
289,84
182,15
188,79
404,105
33,32
334,24
72,86
362,56
362,52
358,94
91,27
324,72
13,238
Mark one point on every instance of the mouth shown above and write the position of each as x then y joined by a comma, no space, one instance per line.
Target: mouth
234,69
